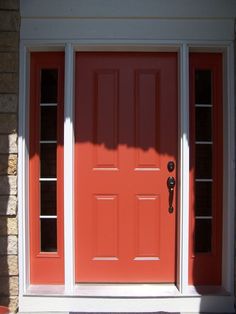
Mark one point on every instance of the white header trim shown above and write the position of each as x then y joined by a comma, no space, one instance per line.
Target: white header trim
128,8
129,29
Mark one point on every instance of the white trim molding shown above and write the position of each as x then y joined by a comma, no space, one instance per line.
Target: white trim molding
201,9
216,304
183,224
69,169
23,157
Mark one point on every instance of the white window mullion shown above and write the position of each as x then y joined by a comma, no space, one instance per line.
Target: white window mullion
23,242
184,169
69,170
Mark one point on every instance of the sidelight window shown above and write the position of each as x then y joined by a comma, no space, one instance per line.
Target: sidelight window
48,160
46,168
205,169
203,157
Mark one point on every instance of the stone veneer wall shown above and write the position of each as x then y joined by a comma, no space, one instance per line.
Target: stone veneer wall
9,55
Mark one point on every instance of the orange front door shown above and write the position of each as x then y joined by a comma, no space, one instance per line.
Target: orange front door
126,133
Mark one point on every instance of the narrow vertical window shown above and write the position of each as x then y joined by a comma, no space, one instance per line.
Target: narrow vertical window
46,168
48,160
203,157
205,169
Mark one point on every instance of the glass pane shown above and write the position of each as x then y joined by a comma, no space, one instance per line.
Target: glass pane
48,191
49,85
48,235
48,123
203,124
203,235
48,153
203,164
203,198
203,87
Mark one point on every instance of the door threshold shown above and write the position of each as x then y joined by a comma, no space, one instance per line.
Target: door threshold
131,290
127,290
106,290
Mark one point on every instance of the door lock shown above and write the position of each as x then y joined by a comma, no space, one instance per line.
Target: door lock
171,166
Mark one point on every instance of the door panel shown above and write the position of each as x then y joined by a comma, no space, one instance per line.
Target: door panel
147,227
126,132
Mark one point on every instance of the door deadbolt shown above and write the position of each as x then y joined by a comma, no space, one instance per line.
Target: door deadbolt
171,166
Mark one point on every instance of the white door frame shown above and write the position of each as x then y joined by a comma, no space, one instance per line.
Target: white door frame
70,289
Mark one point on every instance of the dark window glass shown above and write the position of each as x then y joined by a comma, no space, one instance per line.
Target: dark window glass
49,85
203,164
48,123
48,235
203,232
203,87
48,159
48,191
48,154
203,198
203,124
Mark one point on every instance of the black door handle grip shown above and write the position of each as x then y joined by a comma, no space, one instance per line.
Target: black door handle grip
171,185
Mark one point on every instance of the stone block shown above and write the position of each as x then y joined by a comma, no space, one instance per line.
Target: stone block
9,21
12,226
9,41
8,185
8,123
8,226
12,165
14,285
8,245
9,265
13,184
8,62
9,286
3,226
5,286
10,302
8,205
9,4
8,144
8,164
8,103
8,83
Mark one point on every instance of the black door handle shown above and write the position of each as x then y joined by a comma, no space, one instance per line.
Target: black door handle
171,185
171,182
